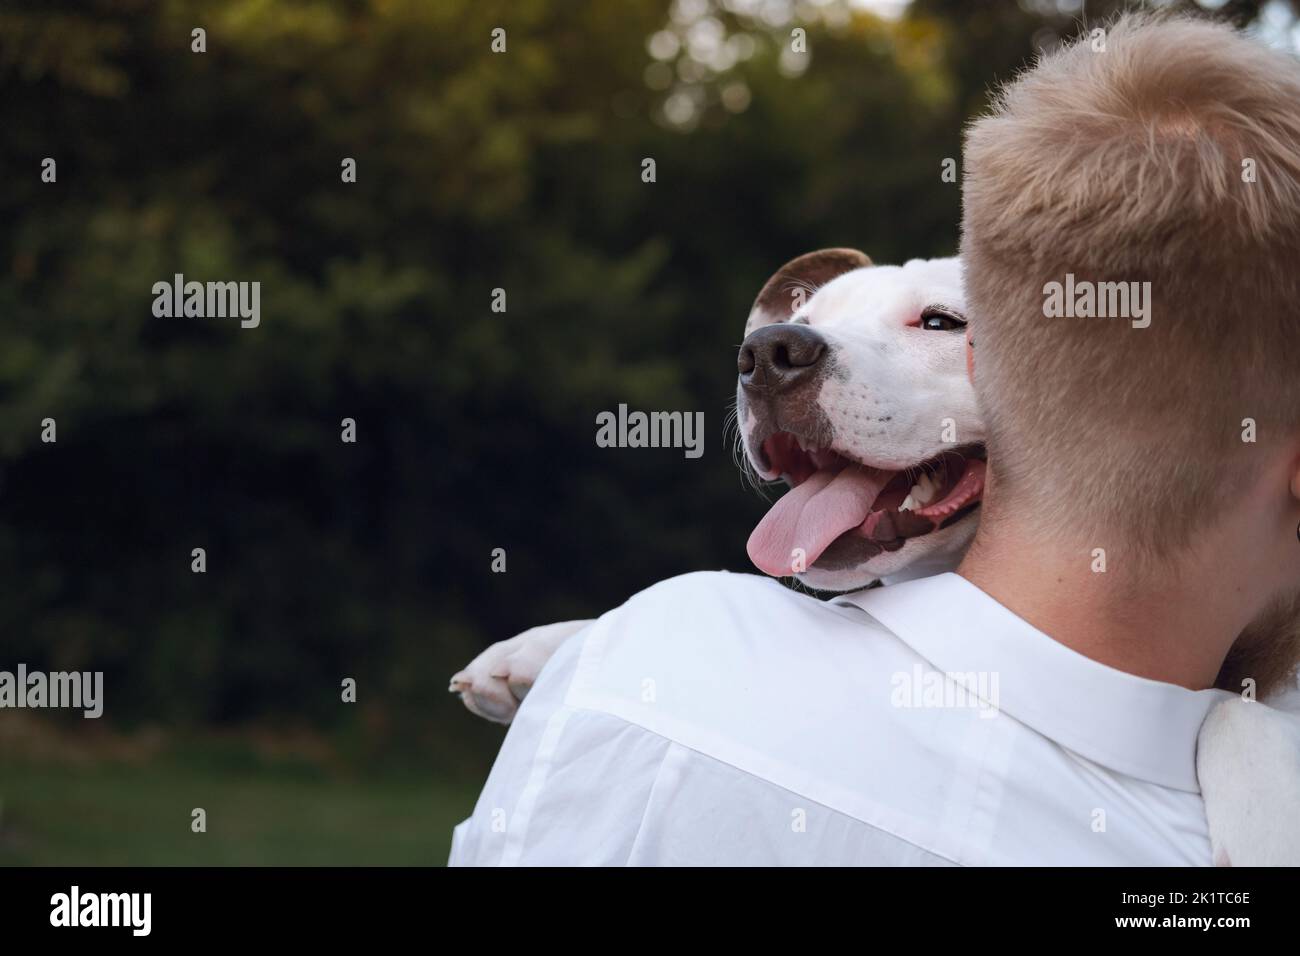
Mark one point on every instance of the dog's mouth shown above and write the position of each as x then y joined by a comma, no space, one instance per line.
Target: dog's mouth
833,497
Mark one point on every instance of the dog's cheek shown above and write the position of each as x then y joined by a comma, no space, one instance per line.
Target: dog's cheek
852,414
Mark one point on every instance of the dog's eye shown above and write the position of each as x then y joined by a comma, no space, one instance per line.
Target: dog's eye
932,320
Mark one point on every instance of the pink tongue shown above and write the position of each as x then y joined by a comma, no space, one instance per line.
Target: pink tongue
813,515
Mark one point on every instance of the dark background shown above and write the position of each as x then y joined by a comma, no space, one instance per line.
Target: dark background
476,430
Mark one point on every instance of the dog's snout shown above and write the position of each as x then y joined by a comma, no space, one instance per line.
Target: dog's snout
780,357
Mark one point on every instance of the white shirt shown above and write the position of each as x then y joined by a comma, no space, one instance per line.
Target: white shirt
722,719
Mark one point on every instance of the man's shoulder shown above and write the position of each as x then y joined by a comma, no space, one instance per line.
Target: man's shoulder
705,694
795,693
721,655
723,585
741,620
710,596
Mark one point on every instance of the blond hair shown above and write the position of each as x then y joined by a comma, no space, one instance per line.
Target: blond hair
1132,164
1169,154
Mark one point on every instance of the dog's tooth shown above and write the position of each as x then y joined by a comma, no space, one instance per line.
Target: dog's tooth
924,490
908,504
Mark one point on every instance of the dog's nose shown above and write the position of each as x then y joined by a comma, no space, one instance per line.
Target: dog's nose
777,358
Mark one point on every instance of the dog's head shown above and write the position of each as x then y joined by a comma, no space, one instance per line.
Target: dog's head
853,389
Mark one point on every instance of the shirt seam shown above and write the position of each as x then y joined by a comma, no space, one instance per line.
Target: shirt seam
669,752
595,708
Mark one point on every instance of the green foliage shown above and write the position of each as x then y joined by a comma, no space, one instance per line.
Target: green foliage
476,430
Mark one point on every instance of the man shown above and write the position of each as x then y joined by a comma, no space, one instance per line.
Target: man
1041,705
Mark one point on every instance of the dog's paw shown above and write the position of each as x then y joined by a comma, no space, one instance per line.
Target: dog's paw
1248,762
498,679
483,685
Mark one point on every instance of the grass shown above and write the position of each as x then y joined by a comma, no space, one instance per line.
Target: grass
294,811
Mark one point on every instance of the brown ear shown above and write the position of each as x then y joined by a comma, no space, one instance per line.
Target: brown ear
809,272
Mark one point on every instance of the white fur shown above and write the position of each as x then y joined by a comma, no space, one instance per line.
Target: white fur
896,395
498,679
1248,763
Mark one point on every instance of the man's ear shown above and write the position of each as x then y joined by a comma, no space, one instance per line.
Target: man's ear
798,279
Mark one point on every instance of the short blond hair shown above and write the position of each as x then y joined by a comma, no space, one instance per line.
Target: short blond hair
1169,153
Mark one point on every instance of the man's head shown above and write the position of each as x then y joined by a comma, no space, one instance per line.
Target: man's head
1159,165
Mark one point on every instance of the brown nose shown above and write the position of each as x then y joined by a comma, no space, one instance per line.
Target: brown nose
777,358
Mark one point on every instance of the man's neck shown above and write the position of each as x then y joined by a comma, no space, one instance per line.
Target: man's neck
1174,628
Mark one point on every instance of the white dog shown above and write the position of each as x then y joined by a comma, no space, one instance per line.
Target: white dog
877,432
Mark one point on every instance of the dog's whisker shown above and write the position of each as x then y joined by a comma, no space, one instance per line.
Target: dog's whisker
733,435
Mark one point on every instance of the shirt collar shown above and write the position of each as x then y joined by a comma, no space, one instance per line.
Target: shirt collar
1140,727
